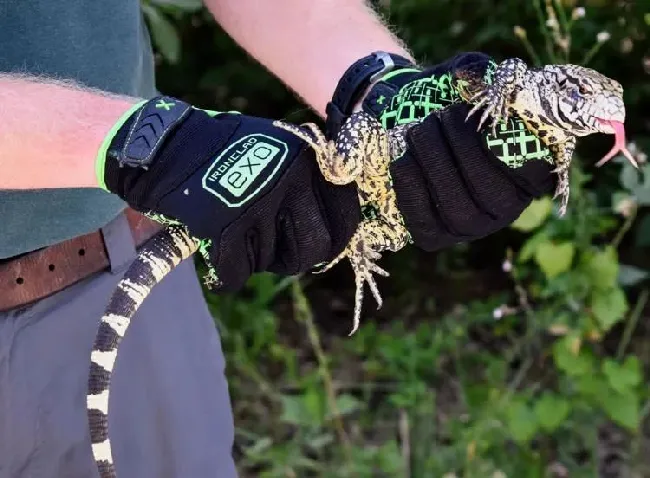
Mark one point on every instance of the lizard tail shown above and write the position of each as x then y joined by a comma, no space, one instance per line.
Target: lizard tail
159,256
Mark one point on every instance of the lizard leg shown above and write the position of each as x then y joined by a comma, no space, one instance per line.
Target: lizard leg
363,140
362,252
335,168
394,235
562,153
500,94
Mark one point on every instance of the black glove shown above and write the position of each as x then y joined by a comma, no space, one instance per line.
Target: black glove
453,183
251,191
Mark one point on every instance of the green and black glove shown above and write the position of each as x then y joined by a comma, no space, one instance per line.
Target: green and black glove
250,190
455,184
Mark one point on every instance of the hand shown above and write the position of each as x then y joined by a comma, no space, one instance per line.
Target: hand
250,191
455,184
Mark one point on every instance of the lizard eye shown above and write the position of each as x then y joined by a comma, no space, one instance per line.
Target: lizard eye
584,89
575,95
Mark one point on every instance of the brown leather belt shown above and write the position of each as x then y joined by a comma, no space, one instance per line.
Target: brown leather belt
39,274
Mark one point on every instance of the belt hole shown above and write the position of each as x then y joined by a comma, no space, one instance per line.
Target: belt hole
82,252
51,267
20,280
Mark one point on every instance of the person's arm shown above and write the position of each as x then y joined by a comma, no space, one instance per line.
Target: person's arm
306,44
51,132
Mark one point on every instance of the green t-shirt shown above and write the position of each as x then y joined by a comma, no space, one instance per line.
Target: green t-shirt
99,44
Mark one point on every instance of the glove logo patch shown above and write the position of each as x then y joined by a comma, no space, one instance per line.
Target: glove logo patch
244,168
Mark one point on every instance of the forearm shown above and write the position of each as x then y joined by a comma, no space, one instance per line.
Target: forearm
51,132
307,44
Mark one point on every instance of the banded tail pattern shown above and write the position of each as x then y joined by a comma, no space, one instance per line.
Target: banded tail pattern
159,256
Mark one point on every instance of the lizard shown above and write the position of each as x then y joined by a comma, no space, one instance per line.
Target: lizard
558,103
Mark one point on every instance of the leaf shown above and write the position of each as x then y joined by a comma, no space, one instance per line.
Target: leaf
592,386
631,275
609,307
551,411
554,258
622,408
521,422
259,446
315,405
623,378
629,177
163,34
643,232
293,410
602,267
320,441
529,247
345,405
571,361
534,215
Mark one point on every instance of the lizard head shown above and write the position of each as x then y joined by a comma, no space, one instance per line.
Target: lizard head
586,102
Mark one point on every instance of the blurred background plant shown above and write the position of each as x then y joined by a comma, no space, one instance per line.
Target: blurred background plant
524,354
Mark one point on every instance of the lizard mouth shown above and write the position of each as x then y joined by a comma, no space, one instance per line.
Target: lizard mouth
618,130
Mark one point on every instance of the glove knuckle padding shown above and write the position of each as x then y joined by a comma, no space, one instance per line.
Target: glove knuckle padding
469,192
491,187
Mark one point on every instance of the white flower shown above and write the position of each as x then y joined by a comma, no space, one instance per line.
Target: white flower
498,313
506,266
519,32
578,12
603,36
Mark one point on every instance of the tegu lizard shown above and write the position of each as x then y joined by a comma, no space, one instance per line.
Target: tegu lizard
557,103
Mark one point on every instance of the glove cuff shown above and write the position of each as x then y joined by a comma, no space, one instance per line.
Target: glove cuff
100,160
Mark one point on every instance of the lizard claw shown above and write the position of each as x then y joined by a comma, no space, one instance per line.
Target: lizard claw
495,105
362,256
562,189
363,269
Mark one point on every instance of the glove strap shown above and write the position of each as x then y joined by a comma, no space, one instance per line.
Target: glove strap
153,123
354,82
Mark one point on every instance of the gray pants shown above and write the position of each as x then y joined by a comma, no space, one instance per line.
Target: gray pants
170,413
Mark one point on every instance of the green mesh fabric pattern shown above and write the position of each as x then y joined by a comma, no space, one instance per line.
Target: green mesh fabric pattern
513,143
418,99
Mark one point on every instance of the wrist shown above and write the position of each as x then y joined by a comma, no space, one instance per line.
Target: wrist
356,82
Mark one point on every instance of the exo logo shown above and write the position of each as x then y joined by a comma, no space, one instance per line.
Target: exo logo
244,168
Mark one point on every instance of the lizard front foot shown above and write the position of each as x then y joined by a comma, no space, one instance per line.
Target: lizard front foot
498,96
335,167
495,105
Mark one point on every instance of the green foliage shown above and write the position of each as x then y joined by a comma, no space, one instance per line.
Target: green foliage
505,357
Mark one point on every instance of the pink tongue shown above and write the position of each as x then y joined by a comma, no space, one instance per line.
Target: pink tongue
619,144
